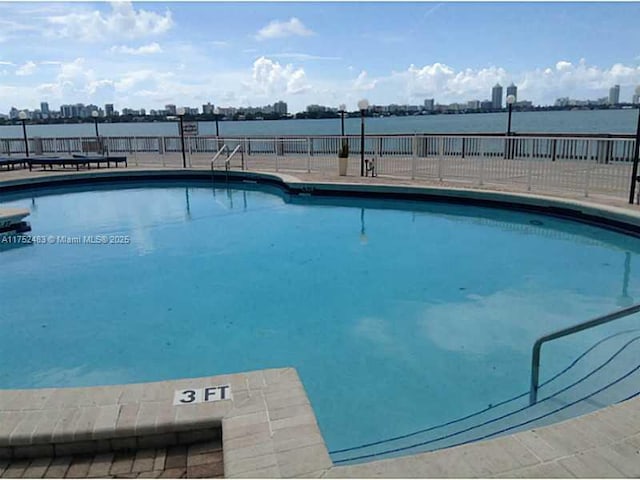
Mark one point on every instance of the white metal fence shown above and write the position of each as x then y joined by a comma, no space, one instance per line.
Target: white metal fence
578,164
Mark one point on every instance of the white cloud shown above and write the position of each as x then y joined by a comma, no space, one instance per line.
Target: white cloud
579,80
302,56
142,50
28,68
11,30
131,79
278,29
7,63
270,78
73,81
443,81
363,83
123,21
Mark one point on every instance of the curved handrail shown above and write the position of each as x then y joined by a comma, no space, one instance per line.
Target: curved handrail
215,157
228,160
535,356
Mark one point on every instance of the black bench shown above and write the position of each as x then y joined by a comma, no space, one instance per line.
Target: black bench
100,159
50,162
11,162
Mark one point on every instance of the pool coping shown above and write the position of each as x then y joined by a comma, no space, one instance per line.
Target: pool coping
269,428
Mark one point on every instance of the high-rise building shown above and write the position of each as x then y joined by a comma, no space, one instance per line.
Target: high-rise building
108,110
171,109
496,97
208,109
429,104
71,111
280,108
473,104
614,95
44,109
636,97
512,90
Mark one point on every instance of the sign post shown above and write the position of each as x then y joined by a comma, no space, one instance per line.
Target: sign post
190,129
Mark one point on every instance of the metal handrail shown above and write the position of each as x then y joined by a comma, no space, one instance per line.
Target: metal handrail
228,160
535,358
215,157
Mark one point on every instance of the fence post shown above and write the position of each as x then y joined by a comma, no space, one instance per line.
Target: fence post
135,152
309,153
414,157
587,173
245,146
463,142
529,171
275,148
440,154
482,160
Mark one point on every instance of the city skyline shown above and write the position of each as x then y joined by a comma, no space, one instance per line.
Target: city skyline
280,108
145,55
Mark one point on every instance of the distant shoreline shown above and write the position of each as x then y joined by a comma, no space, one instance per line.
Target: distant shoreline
303,115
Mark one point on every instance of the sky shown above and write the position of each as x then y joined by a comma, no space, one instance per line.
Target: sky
147,54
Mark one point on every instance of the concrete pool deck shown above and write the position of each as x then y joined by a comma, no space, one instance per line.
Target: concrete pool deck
269,429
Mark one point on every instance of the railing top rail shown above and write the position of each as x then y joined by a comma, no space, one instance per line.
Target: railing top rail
301,137
434,134
589,324
535,357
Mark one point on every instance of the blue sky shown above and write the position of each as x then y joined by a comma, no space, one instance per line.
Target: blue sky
145,55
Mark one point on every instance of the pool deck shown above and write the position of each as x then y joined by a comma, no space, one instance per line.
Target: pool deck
269,428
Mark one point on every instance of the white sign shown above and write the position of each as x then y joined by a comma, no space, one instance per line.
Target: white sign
189,396
190,129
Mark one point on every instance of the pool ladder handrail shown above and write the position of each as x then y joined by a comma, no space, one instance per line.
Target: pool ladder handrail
218,153
535,357
227,162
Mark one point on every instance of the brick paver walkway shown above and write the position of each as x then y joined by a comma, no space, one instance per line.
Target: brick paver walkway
199,460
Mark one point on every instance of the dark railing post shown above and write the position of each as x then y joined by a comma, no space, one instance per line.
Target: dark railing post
535,372
554,145
362,143
184,157
463,139
24,133
636,152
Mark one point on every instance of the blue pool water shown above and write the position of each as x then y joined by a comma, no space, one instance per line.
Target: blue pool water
397,315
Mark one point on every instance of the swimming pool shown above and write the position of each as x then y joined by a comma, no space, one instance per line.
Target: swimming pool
399,316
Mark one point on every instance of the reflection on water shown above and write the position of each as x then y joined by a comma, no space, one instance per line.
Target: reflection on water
625,300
